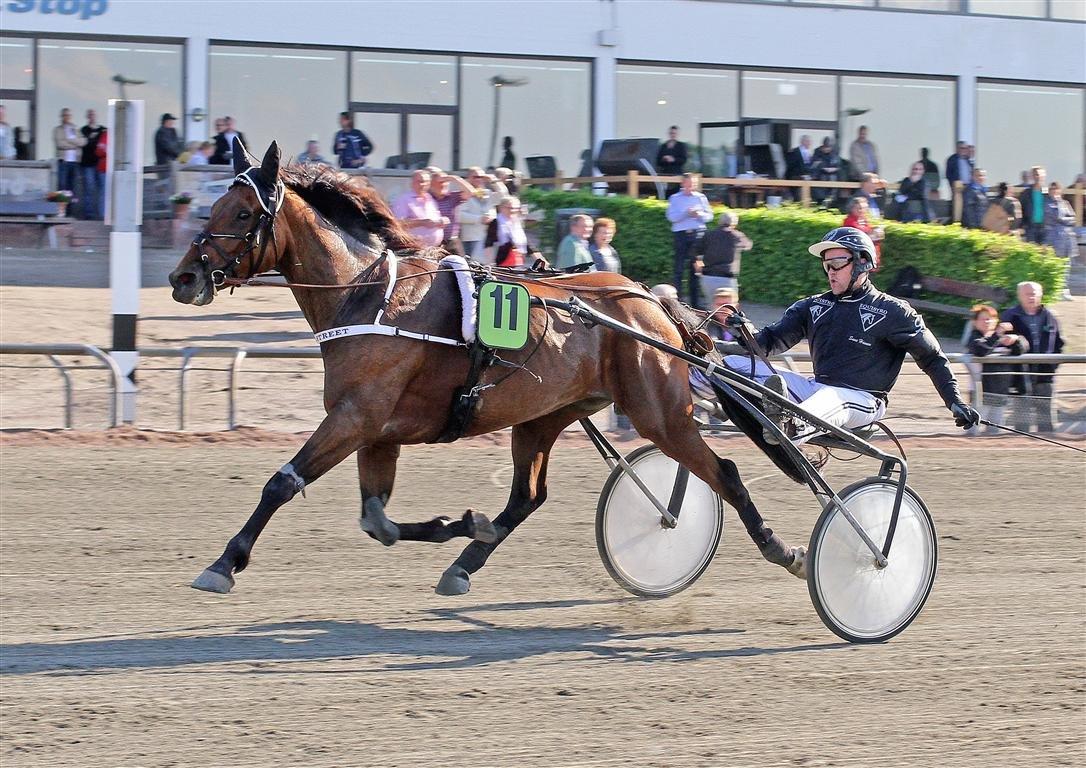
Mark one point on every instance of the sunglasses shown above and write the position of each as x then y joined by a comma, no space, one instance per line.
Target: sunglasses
836,265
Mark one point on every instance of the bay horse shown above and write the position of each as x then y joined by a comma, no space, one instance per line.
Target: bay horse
317,228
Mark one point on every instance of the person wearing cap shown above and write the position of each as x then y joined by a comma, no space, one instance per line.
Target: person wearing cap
719,259
858,338
350,145
167,143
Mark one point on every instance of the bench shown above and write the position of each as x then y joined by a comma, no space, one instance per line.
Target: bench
41,213
45,223
908,282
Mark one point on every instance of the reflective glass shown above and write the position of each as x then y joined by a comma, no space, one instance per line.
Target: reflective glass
1035,8
563,130
16,63
853,3
383,131
17,115
290,95
950,6
650,99
1022,125
77,74
787,95
403,78
433,134
902,116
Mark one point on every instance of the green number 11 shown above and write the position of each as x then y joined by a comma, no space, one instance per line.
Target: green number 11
511,298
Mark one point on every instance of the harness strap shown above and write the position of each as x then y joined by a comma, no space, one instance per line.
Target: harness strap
375,329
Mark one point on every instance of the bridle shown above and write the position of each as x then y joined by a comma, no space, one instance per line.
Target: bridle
259,236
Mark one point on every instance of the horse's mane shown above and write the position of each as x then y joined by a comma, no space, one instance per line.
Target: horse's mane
359,211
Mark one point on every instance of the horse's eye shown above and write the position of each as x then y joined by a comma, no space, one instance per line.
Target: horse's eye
244,215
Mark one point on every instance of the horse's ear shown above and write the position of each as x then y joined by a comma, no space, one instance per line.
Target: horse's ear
269,166
241,156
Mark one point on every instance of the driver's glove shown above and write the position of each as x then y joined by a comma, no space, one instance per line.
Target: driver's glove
965,416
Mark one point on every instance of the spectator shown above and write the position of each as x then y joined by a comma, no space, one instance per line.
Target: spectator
959,167
167,143
68,142
858,218
689,212
418,211
573,250
477,213
224,142
800,163
604,256
931,172
93,184
1033,206
1004,214
507,178
872,189
991,339
671,157
202,154
1031,320
22,144
506,235
1060,230
312,154
448,202
721,252
350,144
101,152
824,167
863,157
509,160
975,200
7,138
912,196
722,297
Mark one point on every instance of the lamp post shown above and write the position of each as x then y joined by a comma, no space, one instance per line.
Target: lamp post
499,82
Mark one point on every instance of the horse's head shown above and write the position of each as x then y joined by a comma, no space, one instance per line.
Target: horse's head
235,242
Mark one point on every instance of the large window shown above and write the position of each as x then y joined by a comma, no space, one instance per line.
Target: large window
902,116
77,74
789,96
16,63
1020,125
652,98
290,95
508,94
403,78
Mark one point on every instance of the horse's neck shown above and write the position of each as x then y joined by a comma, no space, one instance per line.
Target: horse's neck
315,256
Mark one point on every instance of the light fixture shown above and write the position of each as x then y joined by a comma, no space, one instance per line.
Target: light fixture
197,115
661,102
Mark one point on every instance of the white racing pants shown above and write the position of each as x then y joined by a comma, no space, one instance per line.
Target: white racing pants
840,406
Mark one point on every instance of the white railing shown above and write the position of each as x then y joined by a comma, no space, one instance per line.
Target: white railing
238,356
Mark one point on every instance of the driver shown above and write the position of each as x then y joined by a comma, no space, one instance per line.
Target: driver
858,337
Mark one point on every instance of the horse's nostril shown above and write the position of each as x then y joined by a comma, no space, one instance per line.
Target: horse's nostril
185,278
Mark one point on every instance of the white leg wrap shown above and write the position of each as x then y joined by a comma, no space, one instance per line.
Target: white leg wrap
288,470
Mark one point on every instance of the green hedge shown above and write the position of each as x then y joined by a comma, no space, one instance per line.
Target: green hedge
778,270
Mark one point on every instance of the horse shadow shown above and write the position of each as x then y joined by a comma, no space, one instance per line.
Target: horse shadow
478,642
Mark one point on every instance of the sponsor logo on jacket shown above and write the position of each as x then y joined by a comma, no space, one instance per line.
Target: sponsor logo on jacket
871,316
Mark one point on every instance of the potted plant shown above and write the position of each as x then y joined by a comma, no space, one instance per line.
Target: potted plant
61,197
181,202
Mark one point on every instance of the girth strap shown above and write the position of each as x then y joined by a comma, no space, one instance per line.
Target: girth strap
465,400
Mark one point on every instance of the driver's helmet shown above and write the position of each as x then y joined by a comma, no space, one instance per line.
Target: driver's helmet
855,242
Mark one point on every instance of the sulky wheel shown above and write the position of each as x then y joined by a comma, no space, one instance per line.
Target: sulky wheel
645,556
856,599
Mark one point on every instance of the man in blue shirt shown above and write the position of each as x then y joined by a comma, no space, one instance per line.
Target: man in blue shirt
1033,206
689,212
350,144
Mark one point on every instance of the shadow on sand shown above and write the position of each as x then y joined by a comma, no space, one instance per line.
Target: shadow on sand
479,643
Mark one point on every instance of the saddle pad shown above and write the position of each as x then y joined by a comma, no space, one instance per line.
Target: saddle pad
468,301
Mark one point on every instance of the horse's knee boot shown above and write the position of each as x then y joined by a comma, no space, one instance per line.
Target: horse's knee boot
283,486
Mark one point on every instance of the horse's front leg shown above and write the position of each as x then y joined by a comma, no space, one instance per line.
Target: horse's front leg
336,437
376,475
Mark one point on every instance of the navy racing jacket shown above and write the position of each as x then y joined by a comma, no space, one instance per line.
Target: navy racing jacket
859,341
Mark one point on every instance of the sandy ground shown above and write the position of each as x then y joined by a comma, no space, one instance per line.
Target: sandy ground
334,651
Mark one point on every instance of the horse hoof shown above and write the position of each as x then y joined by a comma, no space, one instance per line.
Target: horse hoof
454,581
384,530
798,568
213,581
480,528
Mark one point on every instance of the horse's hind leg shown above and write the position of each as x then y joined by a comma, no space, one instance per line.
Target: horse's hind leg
660,410
532,443
376,475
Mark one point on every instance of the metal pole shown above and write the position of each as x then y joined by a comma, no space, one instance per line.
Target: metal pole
67,389
232,390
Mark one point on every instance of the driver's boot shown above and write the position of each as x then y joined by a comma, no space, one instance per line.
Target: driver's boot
772,410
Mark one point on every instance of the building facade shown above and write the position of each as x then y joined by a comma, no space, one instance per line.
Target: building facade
453,79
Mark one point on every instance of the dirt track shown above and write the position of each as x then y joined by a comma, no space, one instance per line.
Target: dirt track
334,651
